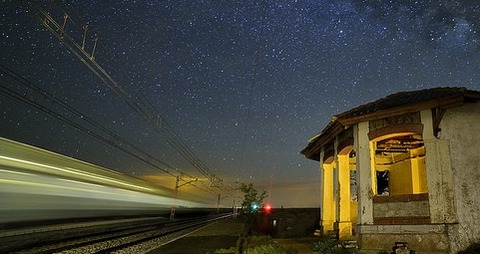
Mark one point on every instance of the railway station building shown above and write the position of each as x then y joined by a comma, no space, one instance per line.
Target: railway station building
403,169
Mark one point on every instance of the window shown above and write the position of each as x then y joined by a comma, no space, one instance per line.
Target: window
400,165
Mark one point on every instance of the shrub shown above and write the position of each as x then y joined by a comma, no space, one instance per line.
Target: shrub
328,246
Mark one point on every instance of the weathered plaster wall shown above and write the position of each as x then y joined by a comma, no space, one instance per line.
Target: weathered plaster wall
401,209
460,127
425,239
439,174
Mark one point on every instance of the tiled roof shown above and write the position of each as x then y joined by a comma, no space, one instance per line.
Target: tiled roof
395,104
405,98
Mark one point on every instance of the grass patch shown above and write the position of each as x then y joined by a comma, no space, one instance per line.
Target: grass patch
257,244
231,250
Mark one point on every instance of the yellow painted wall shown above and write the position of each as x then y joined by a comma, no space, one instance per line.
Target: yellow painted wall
400,181
353,212
419,175
408,177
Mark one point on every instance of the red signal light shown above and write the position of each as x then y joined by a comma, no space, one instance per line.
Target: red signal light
268,208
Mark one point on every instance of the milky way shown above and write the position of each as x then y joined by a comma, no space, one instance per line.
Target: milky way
244,84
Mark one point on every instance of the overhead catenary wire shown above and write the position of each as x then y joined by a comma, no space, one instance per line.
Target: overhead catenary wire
113,139
137,102
59,104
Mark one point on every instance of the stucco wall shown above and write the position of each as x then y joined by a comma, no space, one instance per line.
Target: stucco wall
460,127
425,239
401,209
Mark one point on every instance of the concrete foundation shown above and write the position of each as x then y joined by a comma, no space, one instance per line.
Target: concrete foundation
425,239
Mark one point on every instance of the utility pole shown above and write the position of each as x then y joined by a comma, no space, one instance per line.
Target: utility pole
235,211
175,192
218,201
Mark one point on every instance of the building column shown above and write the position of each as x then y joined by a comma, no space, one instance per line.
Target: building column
322,176
328,201
345,223
365,177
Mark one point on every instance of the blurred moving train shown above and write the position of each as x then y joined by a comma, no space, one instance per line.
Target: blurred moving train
37,184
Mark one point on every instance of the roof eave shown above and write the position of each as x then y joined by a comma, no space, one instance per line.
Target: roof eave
443,103
339,123
312,151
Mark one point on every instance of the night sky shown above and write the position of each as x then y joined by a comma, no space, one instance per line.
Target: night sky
243,84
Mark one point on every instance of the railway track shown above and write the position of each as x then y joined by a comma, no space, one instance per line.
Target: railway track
126,238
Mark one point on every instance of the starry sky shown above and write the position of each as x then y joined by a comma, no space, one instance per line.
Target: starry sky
242,84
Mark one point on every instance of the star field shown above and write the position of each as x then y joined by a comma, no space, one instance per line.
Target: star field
243,83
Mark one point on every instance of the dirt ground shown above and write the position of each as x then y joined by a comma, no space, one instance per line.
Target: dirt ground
224,234
197,245
208,244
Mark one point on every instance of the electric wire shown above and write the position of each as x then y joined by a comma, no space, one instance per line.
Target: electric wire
114,140
137,103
